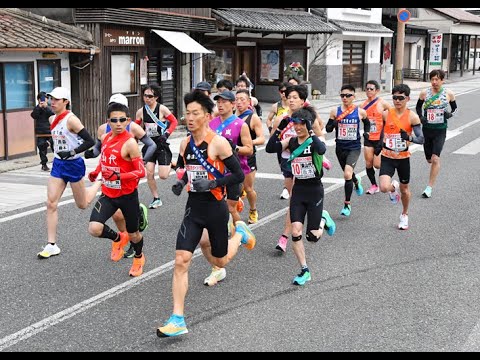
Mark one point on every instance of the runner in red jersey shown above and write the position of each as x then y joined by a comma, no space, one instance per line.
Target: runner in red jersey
122,167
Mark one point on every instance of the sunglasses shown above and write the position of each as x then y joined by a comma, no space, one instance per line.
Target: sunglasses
399,97
116,120
298,120
346,95
370,89
282,91
148,96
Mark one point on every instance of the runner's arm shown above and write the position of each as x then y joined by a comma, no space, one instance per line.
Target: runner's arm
274,144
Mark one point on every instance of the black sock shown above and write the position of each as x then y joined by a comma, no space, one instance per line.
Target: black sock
371,175
108,233
138,247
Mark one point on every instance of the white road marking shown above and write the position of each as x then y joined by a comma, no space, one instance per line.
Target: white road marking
472,148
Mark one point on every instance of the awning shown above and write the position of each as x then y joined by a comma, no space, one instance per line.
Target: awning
362,29
413,39
182,42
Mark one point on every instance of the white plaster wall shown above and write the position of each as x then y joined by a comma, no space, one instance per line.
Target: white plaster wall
373,16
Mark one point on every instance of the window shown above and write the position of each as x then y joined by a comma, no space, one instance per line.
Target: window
48,75
123,73
19,89
218,66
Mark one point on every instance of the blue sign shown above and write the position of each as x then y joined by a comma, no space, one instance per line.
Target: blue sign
403,15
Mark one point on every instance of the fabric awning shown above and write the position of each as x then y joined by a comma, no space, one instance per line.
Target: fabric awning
182,42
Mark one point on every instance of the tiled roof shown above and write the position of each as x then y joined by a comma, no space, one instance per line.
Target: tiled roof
272,20
459,14
361,26
20,29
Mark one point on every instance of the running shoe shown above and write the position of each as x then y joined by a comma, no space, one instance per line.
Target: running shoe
240,205
137,266
143,221
373,190
427,193
358,186
285,195
173,327
327,164
282,243
217,274
244,194
329,223
347,209
248,238
403,224
49,250
117,247
394,195
253,217
155,204
130,253
302,278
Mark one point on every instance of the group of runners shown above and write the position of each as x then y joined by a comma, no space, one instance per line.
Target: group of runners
216,165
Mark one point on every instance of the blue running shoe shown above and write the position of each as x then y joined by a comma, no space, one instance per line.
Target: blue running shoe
359,187
347,209
428,192
302,278
173,327
329,223
248,238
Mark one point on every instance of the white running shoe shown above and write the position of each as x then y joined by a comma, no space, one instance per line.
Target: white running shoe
49,250
216,276
394,195
403,225
155,204
285,194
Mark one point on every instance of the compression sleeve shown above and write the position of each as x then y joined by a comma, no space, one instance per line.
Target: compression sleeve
150,147
318,145
137,173
330,125
419,107
173,123
274,145
236,174
97,149
366,125
453,106
88,141
418,139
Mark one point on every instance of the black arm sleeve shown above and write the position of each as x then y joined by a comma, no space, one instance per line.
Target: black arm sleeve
453,106
180,162
236,174
419,107
88,141
97,149
274,145
418,139
366,125
150,147
330,125
318,145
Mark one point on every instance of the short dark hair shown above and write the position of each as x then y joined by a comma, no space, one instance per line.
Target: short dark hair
116,107
307,113
437,72
200,97
348,87
225,83
243,79
293,77
283,85
155,89
244,91
374,83
300,89
401,89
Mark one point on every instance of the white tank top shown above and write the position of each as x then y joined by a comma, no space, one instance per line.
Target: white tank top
64,140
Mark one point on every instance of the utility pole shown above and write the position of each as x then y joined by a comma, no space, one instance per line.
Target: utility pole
399,48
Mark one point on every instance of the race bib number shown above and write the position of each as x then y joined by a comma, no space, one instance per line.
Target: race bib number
303,168
151,129
116,184
394,142
347,131
435,116
59,143
373,127
195,172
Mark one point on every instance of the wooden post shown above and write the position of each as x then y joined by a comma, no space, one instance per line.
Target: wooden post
399,49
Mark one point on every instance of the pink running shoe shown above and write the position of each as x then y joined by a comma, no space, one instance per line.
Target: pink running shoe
327,164
282,244
373,189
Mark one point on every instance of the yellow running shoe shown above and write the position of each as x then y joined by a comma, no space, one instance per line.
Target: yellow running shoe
253,217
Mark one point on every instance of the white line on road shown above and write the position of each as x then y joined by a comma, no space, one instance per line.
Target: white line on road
45,324
472,148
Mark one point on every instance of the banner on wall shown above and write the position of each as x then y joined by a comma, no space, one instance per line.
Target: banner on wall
436,50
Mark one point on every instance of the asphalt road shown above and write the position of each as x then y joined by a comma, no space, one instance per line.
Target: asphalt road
373,288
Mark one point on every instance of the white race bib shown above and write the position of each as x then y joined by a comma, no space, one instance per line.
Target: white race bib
151,129
116,184
303,168
195,172
347,131
395,142
435,116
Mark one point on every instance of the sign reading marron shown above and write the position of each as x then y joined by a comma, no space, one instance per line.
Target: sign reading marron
116,37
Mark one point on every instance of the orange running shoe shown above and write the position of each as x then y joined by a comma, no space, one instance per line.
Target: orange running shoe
117,247
137,266
240,205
